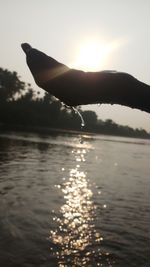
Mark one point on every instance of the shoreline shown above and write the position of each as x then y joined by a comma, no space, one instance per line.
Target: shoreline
50,130
39,129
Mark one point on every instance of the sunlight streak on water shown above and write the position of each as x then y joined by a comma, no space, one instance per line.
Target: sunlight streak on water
76,239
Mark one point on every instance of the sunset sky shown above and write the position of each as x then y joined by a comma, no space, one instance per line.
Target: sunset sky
85,34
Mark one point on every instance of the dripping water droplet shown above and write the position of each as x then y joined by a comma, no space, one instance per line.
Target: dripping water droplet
82,123
76,111
80,115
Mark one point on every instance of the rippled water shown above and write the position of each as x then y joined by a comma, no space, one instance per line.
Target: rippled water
68,204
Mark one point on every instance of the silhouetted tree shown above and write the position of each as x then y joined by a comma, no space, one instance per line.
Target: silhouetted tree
10,85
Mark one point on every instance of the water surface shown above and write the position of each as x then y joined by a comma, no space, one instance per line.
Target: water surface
69,204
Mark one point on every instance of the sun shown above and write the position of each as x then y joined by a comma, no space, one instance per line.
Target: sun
93,55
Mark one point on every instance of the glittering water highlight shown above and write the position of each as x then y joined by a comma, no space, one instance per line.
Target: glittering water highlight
77,241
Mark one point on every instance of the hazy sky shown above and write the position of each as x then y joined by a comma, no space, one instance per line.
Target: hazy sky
64,29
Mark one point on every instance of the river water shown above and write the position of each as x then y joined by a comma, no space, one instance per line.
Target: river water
66,203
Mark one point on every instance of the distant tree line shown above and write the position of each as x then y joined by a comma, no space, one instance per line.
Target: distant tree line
21,105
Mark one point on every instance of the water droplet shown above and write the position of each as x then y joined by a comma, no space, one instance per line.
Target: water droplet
80,115
81,140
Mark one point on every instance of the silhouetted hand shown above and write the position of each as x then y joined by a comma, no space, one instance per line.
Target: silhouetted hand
75,87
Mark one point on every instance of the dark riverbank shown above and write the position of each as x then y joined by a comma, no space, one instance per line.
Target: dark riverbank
38,129
50,130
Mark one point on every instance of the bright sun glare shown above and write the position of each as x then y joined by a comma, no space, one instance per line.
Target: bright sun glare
93,55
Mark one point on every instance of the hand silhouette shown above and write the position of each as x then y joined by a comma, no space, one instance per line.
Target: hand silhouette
76,87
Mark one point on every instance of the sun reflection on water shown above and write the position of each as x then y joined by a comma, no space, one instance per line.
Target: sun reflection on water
76,237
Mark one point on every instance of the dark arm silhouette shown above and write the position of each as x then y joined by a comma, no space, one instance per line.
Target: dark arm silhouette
75,87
